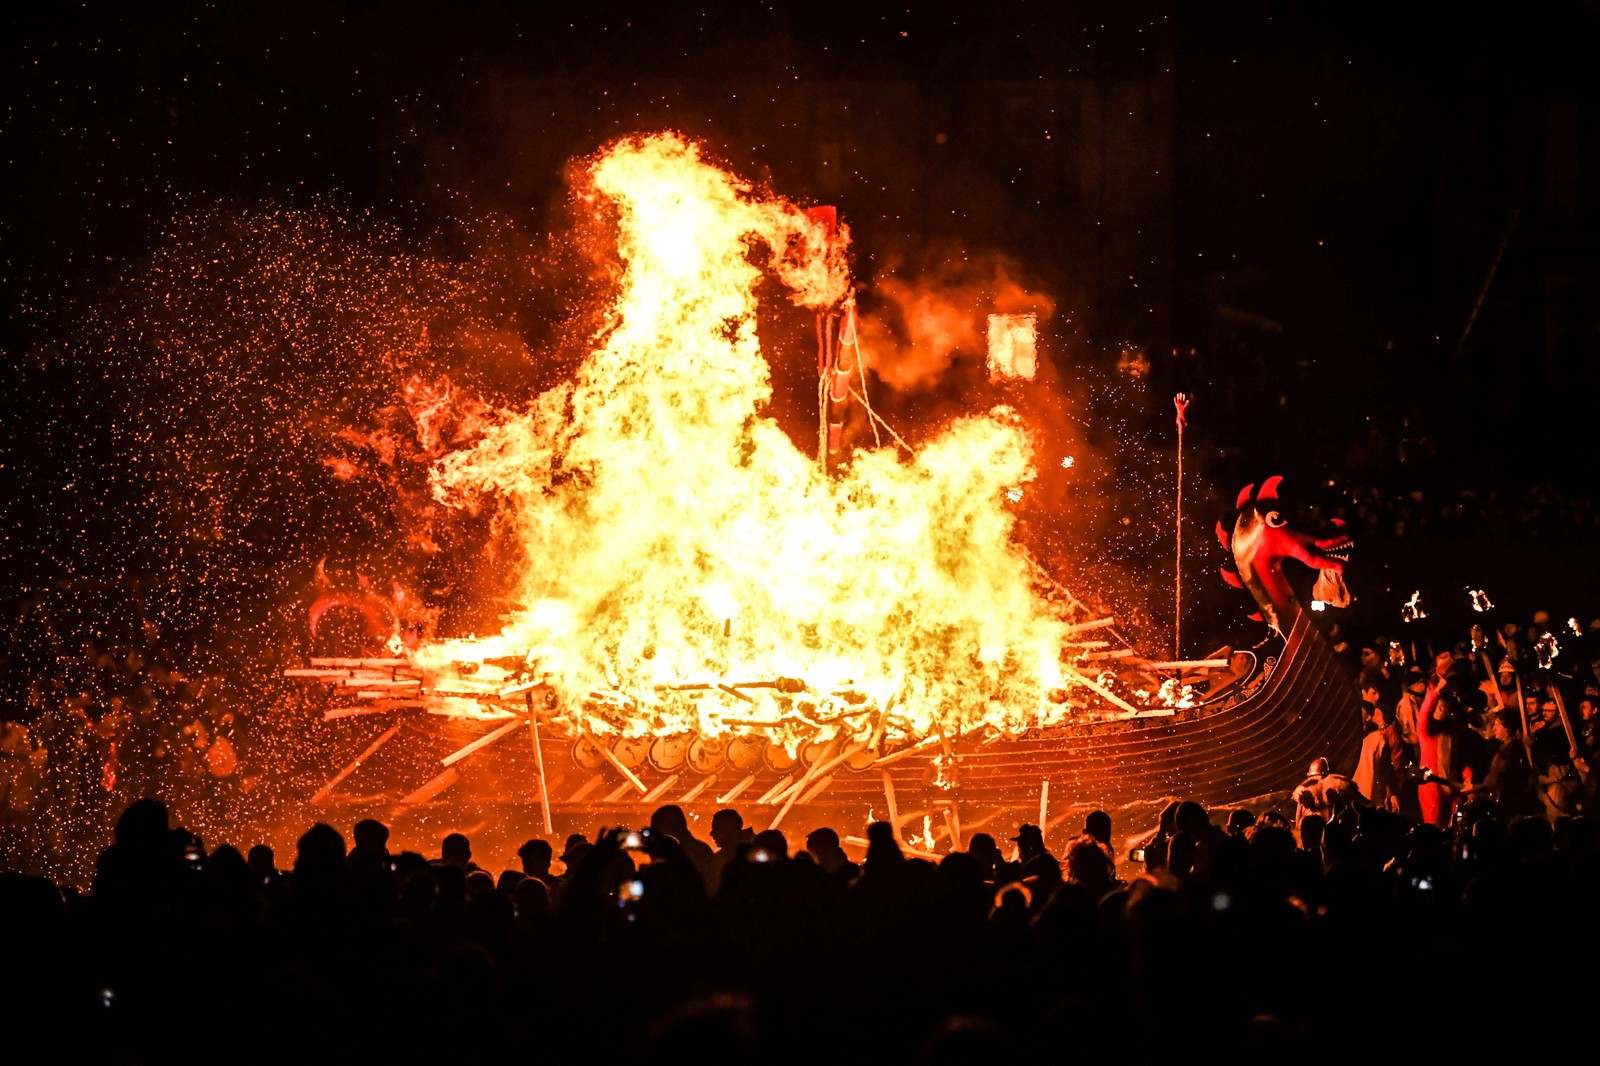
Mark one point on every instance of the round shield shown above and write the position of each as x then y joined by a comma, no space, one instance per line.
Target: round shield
667,754
745,752
586,753
778,757
706,755
631,751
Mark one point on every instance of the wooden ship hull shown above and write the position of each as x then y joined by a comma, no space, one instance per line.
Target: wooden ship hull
1253,740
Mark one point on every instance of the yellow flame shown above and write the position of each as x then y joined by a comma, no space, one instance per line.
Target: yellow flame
673,535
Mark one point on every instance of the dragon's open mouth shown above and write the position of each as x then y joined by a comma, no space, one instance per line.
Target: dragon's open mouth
1337,550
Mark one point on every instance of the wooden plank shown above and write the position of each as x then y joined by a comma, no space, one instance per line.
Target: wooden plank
655,793
733,793
538,758
703,784
817,788
383,738
586,788
432,788
481,743
611,757
767,797
366,664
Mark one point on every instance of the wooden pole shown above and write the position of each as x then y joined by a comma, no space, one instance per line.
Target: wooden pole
655,793
611,757
733,793
704,783
953,823
1566,722
479,744
538,758
1494,678
1044,803
383,738
894,811
1180,402
1522,706
805,779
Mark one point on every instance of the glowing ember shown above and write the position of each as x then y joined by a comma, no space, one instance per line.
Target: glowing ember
1013,342
1480,600
683,563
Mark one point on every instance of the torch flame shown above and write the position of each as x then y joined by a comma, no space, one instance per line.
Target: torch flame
673,536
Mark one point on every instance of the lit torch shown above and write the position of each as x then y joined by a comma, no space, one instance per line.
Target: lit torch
1545,649
1412,610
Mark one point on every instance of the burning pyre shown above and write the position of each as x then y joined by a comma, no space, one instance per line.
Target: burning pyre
686,569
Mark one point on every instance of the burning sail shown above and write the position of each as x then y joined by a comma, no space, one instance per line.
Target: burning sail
685,568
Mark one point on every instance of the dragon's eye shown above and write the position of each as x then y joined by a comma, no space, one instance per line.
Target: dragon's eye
1274,519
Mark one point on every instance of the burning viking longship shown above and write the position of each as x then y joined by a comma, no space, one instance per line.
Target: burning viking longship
762,628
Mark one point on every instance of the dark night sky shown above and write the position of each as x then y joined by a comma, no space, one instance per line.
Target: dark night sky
1311,195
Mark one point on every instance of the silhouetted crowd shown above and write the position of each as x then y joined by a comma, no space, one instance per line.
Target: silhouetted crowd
1252,935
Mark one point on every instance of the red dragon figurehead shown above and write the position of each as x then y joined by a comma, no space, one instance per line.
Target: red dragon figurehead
1263,539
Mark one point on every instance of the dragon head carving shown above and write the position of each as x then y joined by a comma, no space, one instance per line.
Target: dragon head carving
1263,538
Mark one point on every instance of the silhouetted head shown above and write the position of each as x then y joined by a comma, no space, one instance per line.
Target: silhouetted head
530,896
727,827
261,862
1239,820
370,835
1089,862
143,826
772,842
318,850
1192,819
670,819
479,883
536,855
823,839
1167,824
456,849
576,848
1098,825
983,846
883,850
1029,839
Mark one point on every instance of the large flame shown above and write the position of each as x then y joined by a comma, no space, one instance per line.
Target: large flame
675,539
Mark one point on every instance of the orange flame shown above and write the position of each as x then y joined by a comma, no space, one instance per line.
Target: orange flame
676,540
